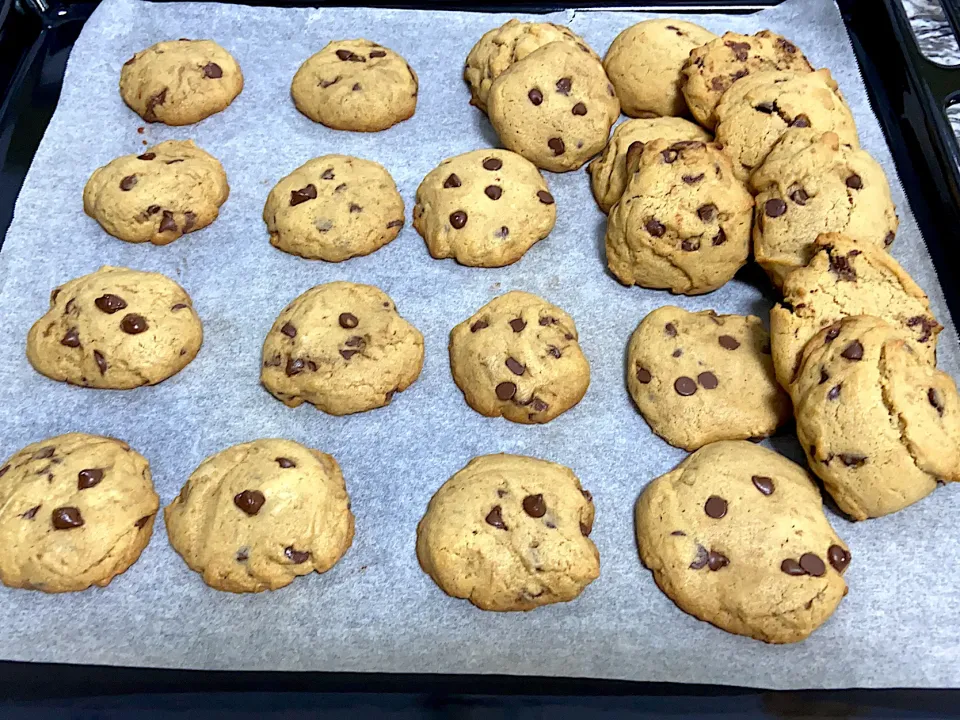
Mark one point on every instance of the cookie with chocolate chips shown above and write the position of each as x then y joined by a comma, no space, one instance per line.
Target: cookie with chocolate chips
812,183
333,208
518,356
736,535
115,328
179,82
76,510
256,515
509,532
484,208
555,107
355,85
342,347
683,222
879,424
845,278
702,377
169,190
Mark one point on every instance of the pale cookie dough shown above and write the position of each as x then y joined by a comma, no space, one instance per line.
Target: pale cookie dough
510,533
484,208
712,69
355,85
167,191
178,82
736,535
845,278
683,222
499,48
518,356
644,64
555,107
809,184
758,110
255,516
341,347
702,377
333,208
609,173
75,510
879,424
115,328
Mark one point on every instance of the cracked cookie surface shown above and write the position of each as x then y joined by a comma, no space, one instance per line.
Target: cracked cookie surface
880,425
355,85
343,348
257,515
736,535
509,532
76,510
518,356
179,82
115,328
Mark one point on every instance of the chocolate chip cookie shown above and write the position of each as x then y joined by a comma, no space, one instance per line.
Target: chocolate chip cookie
172,189
812,183
879,424
178,82
644,64
255,516
519,357
75,510
510,533
555,107
842,279
683,222
484,208
333,208
712,69
609,172
341,347
702,377
355,85
499,48
758,110
115,328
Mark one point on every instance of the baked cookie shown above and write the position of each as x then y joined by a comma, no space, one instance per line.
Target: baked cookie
644,64
341,347
333,208
555,107
702,377
845,278
499,48
518,356
609,173
758,110
256,515
879,424
484,208
178,82
355,85
75,510
171,189
812,183
509,532
736,535
683,222
115,328
712,69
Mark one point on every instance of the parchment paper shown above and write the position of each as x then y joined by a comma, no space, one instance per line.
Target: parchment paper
376,611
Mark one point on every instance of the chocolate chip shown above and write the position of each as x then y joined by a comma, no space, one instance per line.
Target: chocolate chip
31,513
88,478
840,264
669,156
715,507
934,397
670,330
718,84
834,392
492,164
655,228
579,109
707,380
243,554
547,320
700,560
495,518
327,174
564,85
774,207
66,518
303,194
767,108
189,220
212,71
348,55
554,351
763,484
167,223
838,557
133,324
348,320
644,376
506,390
800,121
395,223
101,361
707,213
354,208
679,533
832,334
285,463
854,182
297,557
740,49
515,367
44,453
479,325
853,351
493,192
378,54
584,529
545,197
250,501
139,524
175,161
786,45
716,560
888,239
458,219
812,564
689,245
534,506
71,338
128,182
684,386
852,459
799,196
294,366
110,303
728,342
4,470
159,98
693,179
289,330
538,405
536,97
792,567
347,354
152,210
518,324
556,145
927,324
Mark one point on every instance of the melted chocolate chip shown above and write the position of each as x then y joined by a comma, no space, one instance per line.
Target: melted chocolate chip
303,194
655,228
557,146
250,501
517,324
66,518
554,351
495,518
535,96
289,330
812,564
212,71
479,325
110,303
534,506
458,219
564,85
71,338
853,351
294,366
285,463
716,560
167,223
128,182
799,196
101,361
133,324
763,484
297,557
493,192
88,478
838,557
579,109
